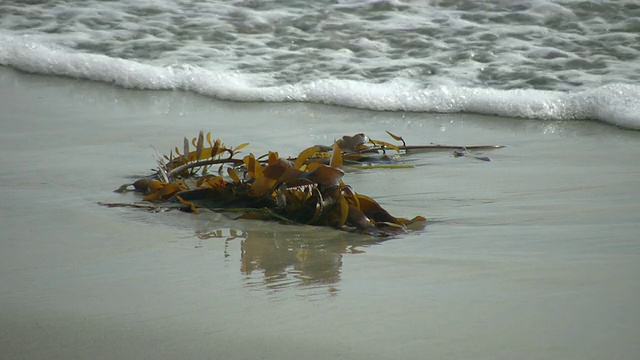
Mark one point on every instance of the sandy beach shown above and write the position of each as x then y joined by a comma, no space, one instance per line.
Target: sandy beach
534,255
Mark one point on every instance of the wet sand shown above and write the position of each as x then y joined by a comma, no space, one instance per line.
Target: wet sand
534,255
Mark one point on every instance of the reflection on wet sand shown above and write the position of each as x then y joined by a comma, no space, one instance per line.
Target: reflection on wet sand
288,258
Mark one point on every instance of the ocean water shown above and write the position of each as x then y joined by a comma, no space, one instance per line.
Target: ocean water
534,59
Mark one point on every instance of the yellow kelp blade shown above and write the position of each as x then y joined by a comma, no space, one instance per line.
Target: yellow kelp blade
191,205
183,184
397,138
233,175
261,185
336,156
209,139
305,155
165,192
385,145
208,181
254,168
312,166
240,147
273,157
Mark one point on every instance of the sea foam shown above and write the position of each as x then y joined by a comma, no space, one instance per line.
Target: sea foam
616,104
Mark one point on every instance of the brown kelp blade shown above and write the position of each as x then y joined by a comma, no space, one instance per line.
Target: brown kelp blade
283,171
353,143
374,211
324,175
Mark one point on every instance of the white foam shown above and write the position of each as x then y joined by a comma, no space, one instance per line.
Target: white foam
617,104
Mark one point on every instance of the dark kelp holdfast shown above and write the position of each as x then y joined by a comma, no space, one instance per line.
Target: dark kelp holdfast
307,189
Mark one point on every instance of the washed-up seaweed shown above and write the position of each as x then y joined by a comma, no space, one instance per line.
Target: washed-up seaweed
307,189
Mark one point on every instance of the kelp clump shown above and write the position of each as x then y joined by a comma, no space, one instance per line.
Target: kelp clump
308,189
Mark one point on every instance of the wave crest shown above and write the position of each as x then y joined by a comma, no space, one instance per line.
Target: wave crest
617,104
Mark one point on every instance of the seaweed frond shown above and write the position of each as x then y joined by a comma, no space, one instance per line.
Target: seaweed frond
307,189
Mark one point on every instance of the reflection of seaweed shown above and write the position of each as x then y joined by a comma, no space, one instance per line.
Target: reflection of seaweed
287,260
308,263
307,189
219,233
